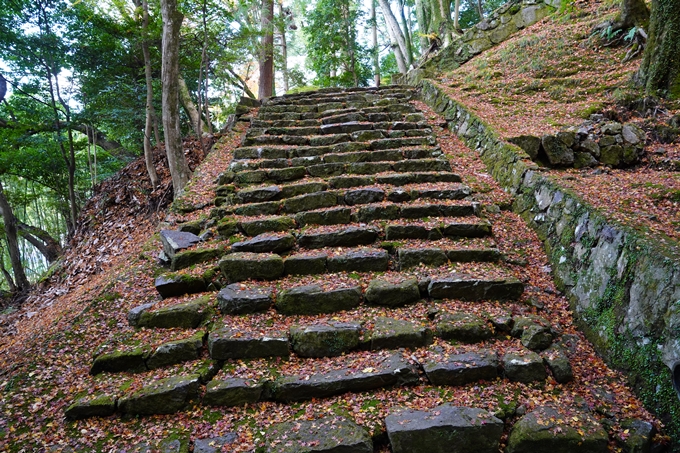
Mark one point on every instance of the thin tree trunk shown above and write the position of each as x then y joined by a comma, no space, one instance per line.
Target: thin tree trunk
41,239
423,21
456,16
20,279
395,33
179,169
266,88
150,111
242,83
407,34
190,108
374,39
284,47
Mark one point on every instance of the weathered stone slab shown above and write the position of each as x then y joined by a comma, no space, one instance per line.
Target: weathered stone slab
177,351
364,196
419,211
214,444
232,392
411,257
461,369
310,201
420,165
468,230
246,265
272,224
396,232
165,396
349,237
444,428
255,209
186,258
390,333
389,371
170,285
258,194
463,327
326,435
325,340
313,300
467,288
174,241
444,194
362,260
383,292
235,300
227,343
286,174
266,242
369,213
294,190
305,264
545,430
536,337
345,182
187,315
131,360
260,152
97,405
558,363
469,255
524,366
325,170
333,216
368,168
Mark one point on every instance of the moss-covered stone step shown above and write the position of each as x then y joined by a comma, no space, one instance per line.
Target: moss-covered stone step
459,286
95,405
266,242
314,300
325,339
461,369
462,327
232,392
187,315
142,357
386,371
523,366
438,256
241,266
471,430
329,434
346,237
227,343
235,299
165,396
451,229
171,284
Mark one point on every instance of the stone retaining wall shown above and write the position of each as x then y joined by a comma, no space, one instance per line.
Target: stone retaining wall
624,289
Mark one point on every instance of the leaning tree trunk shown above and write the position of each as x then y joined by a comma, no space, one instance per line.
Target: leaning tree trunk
150,111
190,109
20,280
179,169
266,88
634,13
660,69
396,35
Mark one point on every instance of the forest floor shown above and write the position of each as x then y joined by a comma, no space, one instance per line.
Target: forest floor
555,74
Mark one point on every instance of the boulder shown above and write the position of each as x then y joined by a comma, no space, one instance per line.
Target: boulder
165,396
546,430
558,363
559,154
611,155
96,405
390,333
313,300
329,434
227,343
524,366
247,265
462,327
633,134
461,369
637,436
232,392
444,428
536,337
174,241
530,144
237,300
392,294
325,340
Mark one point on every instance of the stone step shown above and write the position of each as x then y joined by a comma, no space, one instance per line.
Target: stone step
326,435
165,396
329,170
389,370
394,154
186,315
315,127
471,430
439,256
462,369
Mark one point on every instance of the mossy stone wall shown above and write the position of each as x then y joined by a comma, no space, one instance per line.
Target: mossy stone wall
623,288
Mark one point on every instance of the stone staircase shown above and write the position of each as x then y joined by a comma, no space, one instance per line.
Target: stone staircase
341,231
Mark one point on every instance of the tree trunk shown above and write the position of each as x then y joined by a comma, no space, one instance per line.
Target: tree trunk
635,13
374,39
20,279
395,33
407,34
190,109
3,87
42,240
284,46
172,21
456,16
150,112
421,16
660,69
266,88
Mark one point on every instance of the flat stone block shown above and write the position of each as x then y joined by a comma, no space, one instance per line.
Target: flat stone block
325,340
246,265
362,260
383,292
443,429
165,396
226,343
235,300
313,300
326,435
467,288
232,392
461,369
